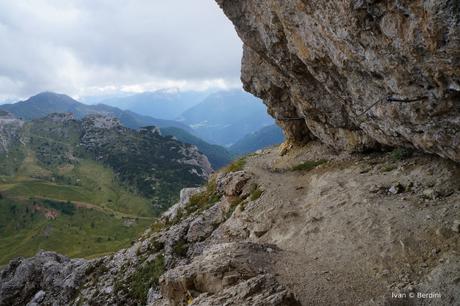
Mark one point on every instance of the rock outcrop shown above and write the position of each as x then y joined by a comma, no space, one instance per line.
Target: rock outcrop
10,131
47,278
356,74
184,198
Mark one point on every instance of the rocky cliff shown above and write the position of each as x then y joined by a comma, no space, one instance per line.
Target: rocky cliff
10,128
356,74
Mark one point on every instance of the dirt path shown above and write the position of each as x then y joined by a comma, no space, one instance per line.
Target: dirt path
346,239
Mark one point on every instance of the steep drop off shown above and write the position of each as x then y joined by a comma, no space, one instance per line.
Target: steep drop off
356,74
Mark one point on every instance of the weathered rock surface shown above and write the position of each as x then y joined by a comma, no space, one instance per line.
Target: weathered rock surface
10,131
356,74
47,278
231,184
184,198
221,267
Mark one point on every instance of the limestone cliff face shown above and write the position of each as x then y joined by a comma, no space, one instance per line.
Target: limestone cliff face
10,128
354,73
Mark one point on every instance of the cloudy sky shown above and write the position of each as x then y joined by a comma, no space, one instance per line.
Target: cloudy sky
92,47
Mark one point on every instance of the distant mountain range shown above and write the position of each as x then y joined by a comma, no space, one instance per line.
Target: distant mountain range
47,103
265,137
162,104
221,119
225,117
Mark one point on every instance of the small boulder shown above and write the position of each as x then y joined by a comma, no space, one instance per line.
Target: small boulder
456,226
429,193
396,188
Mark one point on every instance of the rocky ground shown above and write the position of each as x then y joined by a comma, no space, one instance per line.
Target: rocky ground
311,227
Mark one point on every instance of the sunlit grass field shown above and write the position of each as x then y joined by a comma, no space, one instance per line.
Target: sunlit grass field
106,216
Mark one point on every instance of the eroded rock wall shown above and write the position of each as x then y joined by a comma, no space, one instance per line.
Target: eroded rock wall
356,74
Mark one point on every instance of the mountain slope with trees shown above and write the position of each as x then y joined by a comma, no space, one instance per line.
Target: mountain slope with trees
86,187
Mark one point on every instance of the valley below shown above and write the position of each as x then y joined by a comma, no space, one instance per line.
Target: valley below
56,194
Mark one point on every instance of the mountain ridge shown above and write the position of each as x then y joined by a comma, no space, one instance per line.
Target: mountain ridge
46,103
161,104
261,139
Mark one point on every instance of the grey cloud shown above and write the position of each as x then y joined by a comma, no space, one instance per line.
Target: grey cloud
72,45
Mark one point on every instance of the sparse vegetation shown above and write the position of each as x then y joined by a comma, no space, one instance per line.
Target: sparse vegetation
388,168
401,153
157,226
156,245
237,165
308,165
256,192
143,279
64,207
200,201
233,205
180,248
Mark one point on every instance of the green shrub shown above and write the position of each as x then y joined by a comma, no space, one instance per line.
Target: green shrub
67,208
308,165
145,278
401,153
180,248
157,245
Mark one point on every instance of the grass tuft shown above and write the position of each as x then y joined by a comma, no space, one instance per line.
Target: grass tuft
401,153
308,165
237,165
200,201
256,192
145,278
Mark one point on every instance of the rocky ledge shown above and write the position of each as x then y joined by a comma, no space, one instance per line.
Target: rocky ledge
356,74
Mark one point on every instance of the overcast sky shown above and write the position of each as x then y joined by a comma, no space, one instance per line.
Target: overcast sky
90,47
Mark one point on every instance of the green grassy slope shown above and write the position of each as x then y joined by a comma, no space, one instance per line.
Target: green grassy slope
24,229
56,195
102,207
